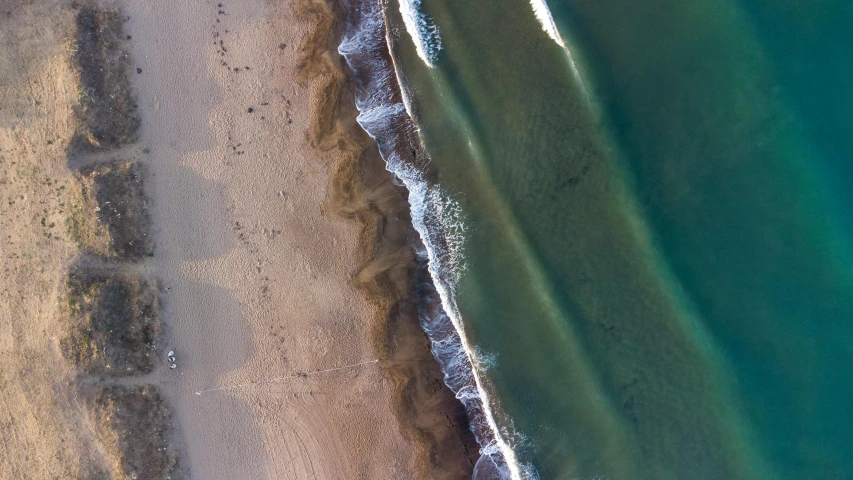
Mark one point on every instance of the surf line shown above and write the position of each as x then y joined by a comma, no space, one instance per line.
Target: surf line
543,14
294,375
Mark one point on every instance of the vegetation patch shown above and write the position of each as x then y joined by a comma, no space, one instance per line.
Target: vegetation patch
114,323
107,110
133,422
84,228
113,219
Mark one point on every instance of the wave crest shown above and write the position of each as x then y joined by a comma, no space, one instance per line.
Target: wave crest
385,114
423,31
543,14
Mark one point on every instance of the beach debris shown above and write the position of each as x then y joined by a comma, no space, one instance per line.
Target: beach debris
171,357
171,353
173,366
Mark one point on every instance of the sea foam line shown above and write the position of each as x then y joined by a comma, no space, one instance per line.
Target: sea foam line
389,121
543,14
448,303
424,33
415,185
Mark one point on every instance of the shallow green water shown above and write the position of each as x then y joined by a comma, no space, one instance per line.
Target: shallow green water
659,255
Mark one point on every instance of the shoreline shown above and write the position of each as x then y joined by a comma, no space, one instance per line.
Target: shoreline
385,112
392,275
294,289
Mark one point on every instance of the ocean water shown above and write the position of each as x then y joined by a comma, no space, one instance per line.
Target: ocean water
636,218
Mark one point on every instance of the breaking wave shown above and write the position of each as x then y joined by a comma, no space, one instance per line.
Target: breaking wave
385,115
423,31
543,14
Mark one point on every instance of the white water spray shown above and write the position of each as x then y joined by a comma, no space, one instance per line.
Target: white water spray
390,121
543,14
424,33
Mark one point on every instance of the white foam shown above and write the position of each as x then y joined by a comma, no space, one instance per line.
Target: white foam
449,304
436,216
445,266
543,14
485,361
423,31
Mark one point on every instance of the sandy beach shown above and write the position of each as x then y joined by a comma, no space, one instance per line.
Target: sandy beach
257,278
279,248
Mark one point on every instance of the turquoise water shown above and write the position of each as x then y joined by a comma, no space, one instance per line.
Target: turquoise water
658,267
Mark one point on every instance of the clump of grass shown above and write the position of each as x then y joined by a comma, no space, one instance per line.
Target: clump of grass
74,222
83,227
114,322
134,423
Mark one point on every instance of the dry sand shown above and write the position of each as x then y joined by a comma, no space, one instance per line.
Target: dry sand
256,277
260,281
279,247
